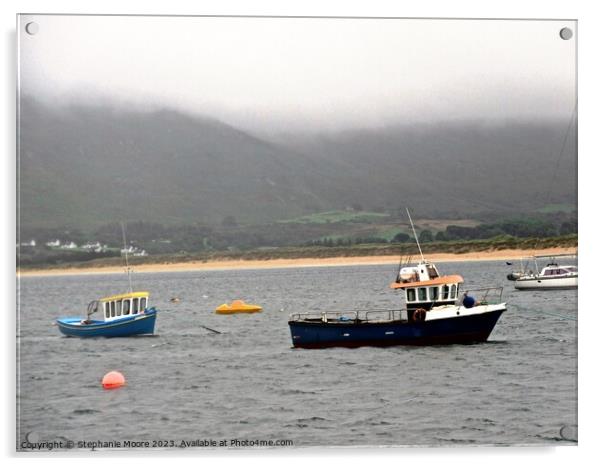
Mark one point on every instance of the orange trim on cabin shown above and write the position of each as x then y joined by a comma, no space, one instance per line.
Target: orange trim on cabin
445,280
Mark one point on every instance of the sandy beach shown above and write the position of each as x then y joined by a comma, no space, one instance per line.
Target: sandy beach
507,254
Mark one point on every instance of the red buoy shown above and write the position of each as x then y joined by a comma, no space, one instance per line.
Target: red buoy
113,379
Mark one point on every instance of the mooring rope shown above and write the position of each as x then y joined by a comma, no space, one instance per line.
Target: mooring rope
550,314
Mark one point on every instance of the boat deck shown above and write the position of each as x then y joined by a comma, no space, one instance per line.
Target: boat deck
484,297
352,317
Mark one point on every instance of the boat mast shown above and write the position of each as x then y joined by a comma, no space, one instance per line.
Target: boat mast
415,236
125,250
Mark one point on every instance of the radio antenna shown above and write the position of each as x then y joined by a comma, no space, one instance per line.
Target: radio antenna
415,236
125,251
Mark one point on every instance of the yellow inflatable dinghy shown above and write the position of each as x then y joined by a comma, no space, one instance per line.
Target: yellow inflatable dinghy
236,307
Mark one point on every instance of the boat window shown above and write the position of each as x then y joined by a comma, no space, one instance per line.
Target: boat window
135,305
434,293
118,308
112,308
452,294
107,310
411,294
445,291
126,307
422,294
142,304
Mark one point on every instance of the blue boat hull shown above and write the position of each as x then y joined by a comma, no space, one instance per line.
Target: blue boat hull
140,324
453,330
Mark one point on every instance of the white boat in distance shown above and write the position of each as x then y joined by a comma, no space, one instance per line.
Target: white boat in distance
552,277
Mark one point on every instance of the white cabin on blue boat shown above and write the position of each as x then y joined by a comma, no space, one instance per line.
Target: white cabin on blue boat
425,288
123,305
120,315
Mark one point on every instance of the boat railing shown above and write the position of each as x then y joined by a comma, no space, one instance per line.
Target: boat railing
354,316
491,295
385,315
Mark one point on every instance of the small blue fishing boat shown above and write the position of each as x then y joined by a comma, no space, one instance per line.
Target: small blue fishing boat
123,315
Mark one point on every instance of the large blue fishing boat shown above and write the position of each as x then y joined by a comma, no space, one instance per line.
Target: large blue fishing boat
436,313
122,316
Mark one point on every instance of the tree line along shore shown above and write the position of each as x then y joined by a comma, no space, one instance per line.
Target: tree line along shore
323,252
328,234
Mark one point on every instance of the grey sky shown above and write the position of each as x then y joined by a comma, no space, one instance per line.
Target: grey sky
276,73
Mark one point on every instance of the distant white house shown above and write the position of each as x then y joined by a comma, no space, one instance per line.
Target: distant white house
70,245
91,246
134,251
54,244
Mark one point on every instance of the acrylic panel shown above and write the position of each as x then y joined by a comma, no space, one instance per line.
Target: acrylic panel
283,232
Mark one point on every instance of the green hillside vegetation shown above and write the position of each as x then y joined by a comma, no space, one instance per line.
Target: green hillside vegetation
553,208
340,216
304,238
405,249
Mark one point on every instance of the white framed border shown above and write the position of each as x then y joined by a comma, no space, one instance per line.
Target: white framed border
589,79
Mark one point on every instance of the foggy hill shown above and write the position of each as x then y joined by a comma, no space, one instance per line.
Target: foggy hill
88,165
453,169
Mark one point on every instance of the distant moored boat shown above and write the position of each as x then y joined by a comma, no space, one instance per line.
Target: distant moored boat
551,277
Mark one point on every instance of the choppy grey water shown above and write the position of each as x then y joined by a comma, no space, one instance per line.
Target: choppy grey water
188,384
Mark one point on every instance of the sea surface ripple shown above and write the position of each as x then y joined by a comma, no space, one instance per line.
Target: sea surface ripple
187,383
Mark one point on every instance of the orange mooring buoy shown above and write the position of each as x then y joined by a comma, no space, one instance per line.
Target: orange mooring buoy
113,379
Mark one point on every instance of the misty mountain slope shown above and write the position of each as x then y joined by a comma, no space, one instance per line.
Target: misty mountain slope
88,165
454,169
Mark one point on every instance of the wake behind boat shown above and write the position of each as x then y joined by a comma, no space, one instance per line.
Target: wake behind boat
435,313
